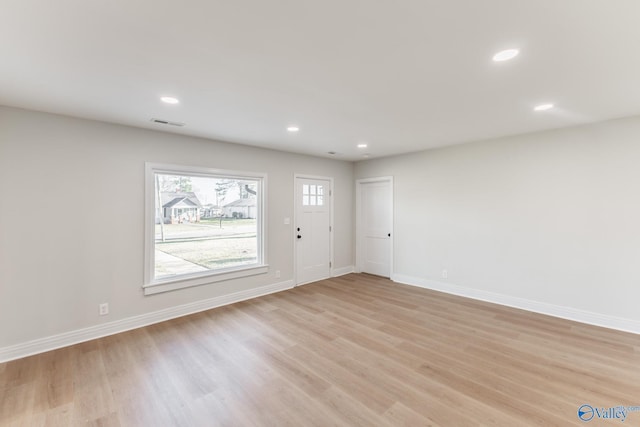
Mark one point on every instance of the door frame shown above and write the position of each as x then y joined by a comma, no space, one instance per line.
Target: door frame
297,176
359,233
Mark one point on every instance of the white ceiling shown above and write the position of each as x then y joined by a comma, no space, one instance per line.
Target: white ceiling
401,75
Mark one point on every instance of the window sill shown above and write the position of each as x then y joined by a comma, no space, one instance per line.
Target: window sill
187,281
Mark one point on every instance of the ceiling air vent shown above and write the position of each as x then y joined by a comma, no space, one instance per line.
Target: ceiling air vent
167,122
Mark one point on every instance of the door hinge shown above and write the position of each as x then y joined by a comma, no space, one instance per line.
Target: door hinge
330,193
329,229
329,264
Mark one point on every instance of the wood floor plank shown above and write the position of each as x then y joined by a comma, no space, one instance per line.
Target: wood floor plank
356,350
400,415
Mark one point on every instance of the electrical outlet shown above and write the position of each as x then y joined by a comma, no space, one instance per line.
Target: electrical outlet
445,274
277,274
104,309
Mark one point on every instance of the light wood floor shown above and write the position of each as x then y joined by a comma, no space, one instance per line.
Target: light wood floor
355,350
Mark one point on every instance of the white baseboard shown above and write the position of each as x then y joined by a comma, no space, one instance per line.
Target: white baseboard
42,345
342,271
582,316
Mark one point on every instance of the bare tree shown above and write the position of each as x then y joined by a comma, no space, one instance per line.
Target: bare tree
221,189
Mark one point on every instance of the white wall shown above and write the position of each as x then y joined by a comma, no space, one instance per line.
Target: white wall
71,225
548,220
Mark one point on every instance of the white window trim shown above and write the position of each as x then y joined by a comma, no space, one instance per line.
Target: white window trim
153,286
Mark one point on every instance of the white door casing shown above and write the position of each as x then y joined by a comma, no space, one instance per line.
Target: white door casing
312,231
374,216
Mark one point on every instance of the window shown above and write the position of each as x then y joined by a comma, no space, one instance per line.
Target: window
312,195
202,226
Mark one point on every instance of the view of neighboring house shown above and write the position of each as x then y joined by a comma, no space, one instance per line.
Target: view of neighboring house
210,211
241,208
179,207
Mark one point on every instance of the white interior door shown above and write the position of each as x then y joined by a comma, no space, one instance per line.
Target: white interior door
312,230
375,223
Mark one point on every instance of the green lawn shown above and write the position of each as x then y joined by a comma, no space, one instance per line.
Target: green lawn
208,245
228,222
213,253
210,227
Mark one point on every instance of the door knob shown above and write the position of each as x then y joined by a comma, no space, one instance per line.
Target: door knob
299,236
389,235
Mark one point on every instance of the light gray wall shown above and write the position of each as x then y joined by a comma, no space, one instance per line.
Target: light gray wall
71,228
552,217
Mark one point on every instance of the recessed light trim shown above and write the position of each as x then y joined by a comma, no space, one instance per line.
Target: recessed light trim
362,146
505,55
169,100
293,129
543,107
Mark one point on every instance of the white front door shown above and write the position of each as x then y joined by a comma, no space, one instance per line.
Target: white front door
312,230
375,207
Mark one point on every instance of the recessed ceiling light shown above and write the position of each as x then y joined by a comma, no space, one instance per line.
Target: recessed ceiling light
169,100
293,129
543,107
362,145
505,55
